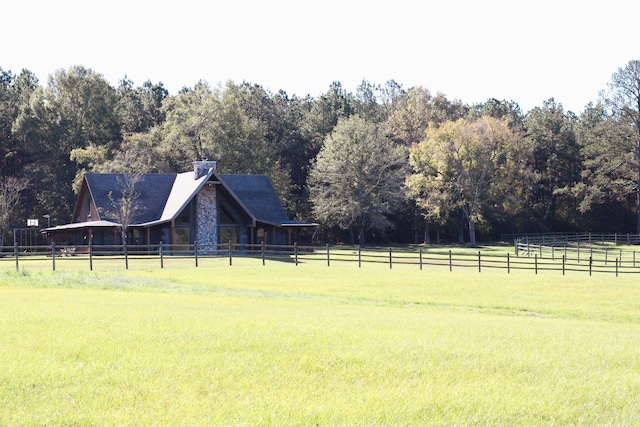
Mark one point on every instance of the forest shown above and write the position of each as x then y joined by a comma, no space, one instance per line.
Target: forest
383,164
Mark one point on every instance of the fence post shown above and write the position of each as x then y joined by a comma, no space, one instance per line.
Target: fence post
230,255
616,267
606,255
479,263
328,257
295,251
590,262
563,265
450,261
553,253
508,264
16,252
359,256
263,249
53,255
535,260
578,250
195,251
91,254
634,259
390,259
421,259
161,255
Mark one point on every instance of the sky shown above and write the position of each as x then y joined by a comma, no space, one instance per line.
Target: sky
468,50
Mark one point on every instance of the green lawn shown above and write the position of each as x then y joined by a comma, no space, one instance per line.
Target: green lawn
314,345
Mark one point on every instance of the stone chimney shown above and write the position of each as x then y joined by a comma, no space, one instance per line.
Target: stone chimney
202,167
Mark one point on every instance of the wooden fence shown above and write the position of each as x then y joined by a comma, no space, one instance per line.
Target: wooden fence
585,238
578,253
528,257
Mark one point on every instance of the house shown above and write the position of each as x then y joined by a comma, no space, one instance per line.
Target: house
202,206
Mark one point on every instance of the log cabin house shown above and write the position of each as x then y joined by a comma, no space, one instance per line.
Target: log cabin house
202,206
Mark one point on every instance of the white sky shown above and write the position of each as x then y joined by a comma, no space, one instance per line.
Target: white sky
469,50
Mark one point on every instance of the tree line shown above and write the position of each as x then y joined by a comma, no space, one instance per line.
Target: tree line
381,164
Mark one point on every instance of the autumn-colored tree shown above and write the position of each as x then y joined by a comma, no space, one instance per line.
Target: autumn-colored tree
464,165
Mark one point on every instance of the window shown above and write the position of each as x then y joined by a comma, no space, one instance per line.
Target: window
181,236
185,215
224,216
228,234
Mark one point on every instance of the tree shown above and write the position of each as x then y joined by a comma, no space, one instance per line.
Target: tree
202,122
464,165
125,206
138,153
15,92
374,103
498,109
139,108
76,110
623,98
414,111
230,124
410,115
10,189
608,188
327,110
287,145
555,164
357,178
410,118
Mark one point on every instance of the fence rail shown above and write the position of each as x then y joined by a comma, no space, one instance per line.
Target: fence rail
536,258
578,253
591,238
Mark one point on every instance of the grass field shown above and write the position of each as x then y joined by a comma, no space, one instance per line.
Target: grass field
311,345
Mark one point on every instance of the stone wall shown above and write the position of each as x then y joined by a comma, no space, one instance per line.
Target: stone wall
207,218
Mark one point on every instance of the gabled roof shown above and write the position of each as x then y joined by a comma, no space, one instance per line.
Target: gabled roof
164,196
184,188
154,190
257,196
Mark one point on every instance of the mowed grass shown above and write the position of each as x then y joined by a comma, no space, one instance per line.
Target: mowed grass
314,345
